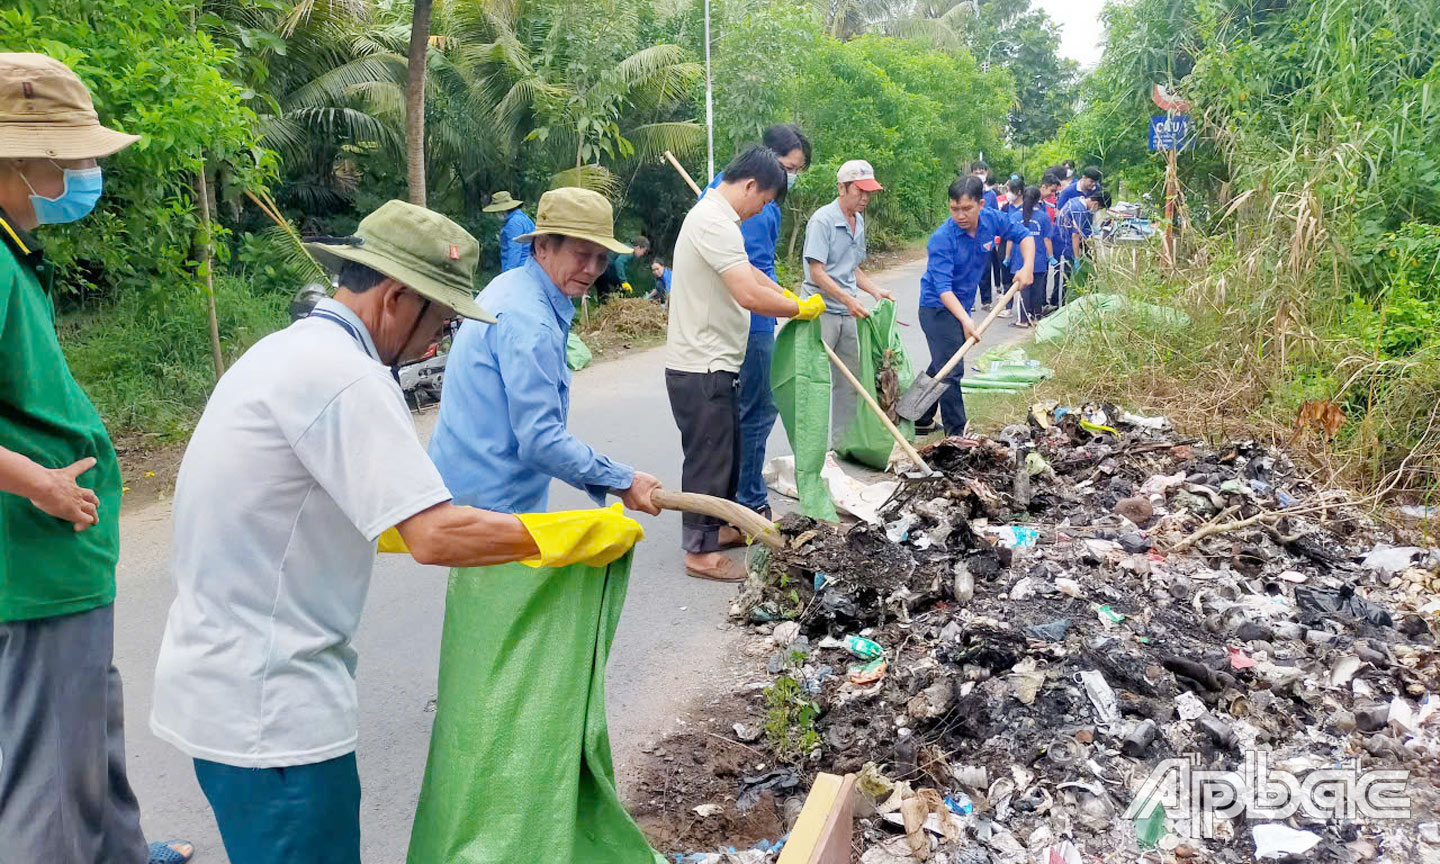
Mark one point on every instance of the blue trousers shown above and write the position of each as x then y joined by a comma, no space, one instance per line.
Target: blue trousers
307,813
757,418
944,335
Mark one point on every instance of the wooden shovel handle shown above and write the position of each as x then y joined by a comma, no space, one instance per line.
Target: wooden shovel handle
869,400
740,516
971,341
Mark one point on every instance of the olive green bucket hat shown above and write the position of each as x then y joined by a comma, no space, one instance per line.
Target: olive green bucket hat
574,212
47,113
499,202
420,249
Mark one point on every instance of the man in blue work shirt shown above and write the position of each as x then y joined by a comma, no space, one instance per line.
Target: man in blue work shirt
1072,230
1086,184
501,435
512,254
757,408
958,255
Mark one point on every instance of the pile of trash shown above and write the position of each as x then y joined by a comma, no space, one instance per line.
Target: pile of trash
1090,639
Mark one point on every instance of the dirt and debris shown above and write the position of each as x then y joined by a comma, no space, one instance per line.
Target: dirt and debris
1066,608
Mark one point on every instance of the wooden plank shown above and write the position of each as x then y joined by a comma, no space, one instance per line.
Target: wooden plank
822,834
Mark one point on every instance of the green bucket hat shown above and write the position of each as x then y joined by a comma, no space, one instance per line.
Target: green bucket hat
499,202
574,212
419,248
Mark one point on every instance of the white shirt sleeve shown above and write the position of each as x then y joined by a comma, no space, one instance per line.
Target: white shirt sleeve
363,451
721,245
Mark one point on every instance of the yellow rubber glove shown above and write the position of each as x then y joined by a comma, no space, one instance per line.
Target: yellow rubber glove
392,542
595,537
811,307
626,286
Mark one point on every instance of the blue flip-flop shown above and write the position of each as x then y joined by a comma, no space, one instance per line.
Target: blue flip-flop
161,853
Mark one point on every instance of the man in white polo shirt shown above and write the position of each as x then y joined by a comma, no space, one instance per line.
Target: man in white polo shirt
715,289
305,454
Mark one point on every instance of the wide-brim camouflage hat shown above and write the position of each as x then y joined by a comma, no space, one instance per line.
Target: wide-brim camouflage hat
574,212
420,249
47,113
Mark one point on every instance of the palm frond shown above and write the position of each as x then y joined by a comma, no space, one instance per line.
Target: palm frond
681,137
339,84
596,178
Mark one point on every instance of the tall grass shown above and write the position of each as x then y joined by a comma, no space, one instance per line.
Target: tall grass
145,360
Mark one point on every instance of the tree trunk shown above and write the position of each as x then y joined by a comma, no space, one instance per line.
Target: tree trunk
207,263
415,101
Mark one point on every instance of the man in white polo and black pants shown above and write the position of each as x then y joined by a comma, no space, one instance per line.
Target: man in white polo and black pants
715,290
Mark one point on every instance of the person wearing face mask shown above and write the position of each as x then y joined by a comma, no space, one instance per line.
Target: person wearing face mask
501,435
717,290
834,248
957,257
64,795
757,407
306,453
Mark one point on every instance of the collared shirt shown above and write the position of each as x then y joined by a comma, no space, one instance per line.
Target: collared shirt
501,435
955,258
761,233
1040,229
992,201
46,567
666,274
829,240
1075,218
305,454
709,329
513,254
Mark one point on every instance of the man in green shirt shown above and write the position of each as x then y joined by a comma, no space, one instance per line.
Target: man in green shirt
64,795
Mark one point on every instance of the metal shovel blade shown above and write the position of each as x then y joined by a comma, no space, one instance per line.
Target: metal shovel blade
923,393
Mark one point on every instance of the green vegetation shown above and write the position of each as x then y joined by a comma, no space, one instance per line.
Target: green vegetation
790,719
1310,263
303,102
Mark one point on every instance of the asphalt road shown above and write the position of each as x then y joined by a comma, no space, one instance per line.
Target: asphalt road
670,646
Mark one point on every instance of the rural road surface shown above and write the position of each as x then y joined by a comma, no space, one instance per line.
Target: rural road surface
668,651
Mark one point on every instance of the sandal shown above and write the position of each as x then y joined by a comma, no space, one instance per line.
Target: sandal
166,853
731,537
727,572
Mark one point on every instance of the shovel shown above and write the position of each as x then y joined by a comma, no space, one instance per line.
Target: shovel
744,519
926,391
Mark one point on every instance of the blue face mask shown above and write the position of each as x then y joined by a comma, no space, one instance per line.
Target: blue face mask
82,191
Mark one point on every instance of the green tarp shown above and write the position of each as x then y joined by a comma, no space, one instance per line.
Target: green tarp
577,353
520,766
1089,311
800,378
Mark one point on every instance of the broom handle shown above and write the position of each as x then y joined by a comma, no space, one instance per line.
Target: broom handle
879,412
971,341
741,517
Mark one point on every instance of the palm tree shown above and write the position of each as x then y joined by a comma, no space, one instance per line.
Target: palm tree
551,84
415,101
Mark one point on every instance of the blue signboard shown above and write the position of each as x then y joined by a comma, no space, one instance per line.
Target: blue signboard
1171,133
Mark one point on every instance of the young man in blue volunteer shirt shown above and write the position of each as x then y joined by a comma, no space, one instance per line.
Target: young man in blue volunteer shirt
1076,224
957,256
1087,183
757,408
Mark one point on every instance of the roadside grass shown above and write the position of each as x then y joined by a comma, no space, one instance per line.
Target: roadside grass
145,359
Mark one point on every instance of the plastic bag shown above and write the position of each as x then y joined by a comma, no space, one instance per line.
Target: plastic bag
577,353
867,441
520,766
800,383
